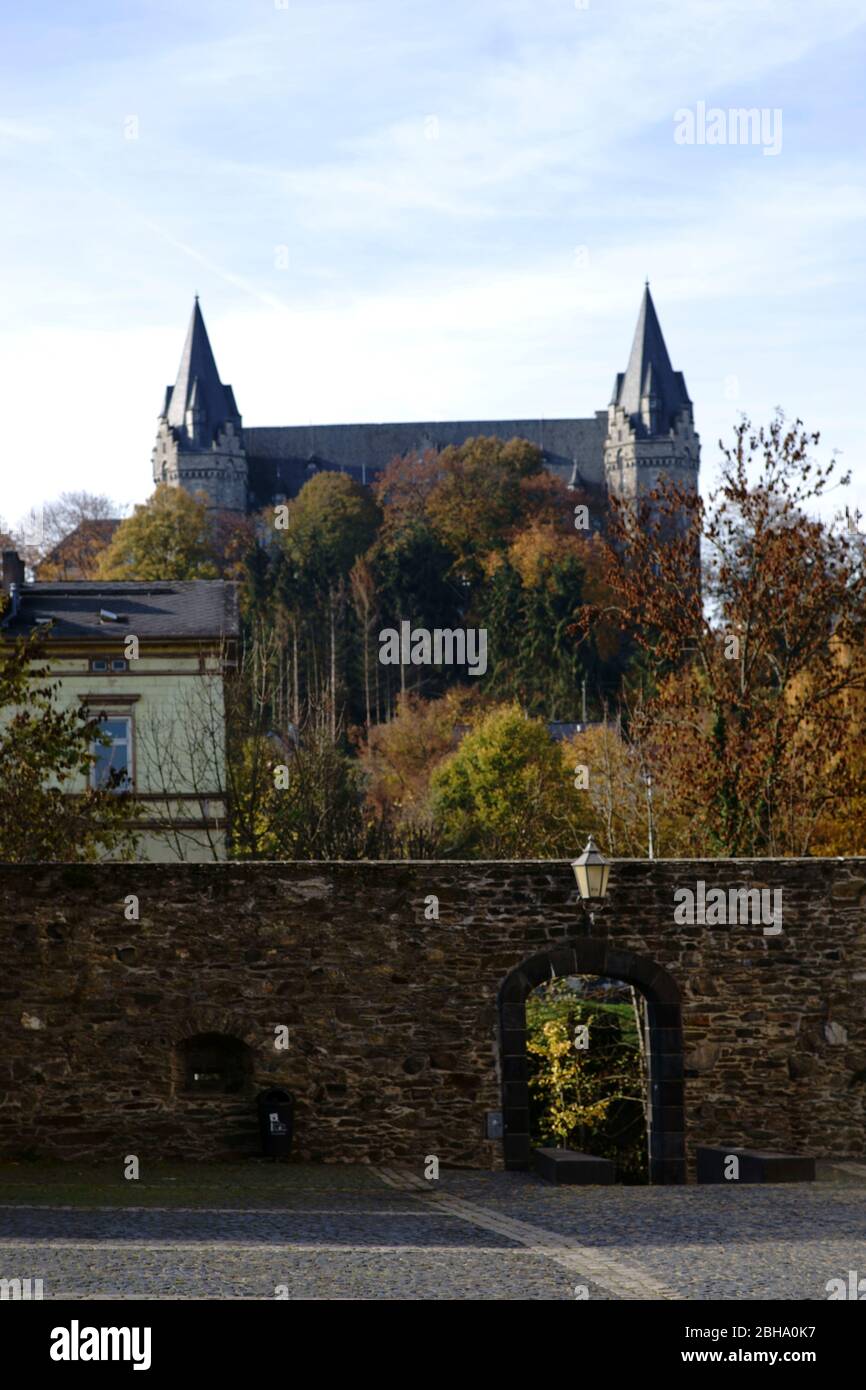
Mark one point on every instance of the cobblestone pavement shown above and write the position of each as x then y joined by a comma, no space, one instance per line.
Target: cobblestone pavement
378,1235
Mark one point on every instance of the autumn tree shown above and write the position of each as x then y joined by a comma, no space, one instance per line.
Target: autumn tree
633,799
482,535
404,486
507,792
571,1096
332,522
750,678
48,811
588,1093
168,537
365,605
398,759
410,567
486,490
530,602
479,536
300,797
65,538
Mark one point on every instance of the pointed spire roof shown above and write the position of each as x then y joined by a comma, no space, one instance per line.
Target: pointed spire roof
649,372
198,383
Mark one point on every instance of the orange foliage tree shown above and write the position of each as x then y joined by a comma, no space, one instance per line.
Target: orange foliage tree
751,679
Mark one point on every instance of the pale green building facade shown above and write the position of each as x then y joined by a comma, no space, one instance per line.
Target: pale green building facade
150,661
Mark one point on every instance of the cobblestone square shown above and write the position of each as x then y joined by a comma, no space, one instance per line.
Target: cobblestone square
367,1234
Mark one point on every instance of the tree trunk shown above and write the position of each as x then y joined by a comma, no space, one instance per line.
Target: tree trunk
367,662
333,669
295,691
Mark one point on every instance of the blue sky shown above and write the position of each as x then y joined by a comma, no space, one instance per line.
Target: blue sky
404,210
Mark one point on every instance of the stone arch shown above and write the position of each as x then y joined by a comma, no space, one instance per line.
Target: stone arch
589,956
196,1021
209,1023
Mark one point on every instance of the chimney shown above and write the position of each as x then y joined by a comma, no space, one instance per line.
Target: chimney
13,571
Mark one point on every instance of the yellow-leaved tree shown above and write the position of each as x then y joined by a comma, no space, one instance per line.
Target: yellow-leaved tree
507,792
573,1097
169,536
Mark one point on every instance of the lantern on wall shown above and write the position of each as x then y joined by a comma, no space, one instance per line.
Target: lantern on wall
591,871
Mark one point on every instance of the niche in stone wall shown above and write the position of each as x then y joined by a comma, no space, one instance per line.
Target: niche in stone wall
212,1064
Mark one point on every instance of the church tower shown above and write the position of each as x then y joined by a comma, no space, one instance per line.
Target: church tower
199,444
650,429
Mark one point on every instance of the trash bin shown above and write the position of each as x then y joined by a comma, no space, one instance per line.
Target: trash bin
276,1122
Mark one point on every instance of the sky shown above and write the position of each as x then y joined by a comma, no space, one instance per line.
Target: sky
401,209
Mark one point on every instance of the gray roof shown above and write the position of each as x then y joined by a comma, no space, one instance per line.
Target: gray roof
193,608
281,459
198,384
649,373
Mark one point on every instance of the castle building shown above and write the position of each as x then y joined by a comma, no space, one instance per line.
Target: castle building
646,432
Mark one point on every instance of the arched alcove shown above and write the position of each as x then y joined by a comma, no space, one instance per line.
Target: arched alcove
664,1042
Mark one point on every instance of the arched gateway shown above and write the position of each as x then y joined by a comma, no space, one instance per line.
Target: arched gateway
588,956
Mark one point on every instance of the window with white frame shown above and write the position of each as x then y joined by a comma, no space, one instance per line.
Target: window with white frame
112,766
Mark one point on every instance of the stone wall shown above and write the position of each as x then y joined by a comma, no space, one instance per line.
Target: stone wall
393,1018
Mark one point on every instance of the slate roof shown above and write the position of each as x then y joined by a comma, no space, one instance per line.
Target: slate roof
281,459
649,371
198,383
194,608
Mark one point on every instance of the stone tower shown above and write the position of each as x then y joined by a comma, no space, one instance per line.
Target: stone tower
650,429
199,445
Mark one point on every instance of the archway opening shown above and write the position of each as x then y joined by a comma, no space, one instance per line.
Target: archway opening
587,1072
663,1088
